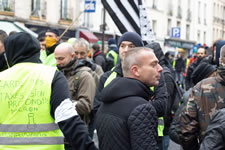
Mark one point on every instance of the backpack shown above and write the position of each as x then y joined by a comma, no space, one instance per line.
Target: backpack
178,95
109,64
89,67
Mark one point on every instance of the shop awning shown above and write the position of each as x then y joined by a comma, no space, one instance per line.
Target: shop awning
89,36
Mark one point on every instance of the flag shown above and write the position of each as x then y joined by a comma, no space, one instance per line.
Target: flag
130,15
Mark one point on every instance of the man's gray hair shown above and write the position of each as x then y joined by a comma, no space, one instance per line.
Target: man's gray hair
132,57
81,42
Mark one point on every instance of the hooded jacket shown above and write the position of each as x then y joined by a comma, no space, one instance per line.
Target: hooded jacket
170,84
3,64
219,44
84,93
21,48
127,120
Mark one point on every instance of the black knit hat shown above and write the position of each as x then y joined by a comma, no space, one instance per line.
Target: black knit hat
131,37
202,71
53,30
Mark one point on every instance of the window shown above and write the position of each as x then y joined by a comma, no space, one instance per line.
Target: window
204,37
178,24
169,27
5,5
179,10
154,26
198,35
154,4
170,8
205,7
36,7
199,12
64,9
214,9
187,32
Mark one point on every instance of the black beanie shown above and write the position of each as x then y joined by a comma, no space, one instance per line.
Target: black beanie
53,30
202,71
131,37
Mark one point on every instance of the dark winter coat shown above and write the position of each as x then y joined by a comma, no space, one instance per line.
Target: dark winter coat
180,65
170,84
127,120
3,64
160,92
99,58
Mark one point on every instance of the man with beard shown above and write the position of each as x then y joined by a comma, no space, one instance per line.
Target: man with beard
206,97
201,53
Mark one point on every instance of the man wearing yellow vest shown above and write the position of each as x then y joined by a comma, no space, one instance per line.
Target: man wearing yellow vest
113,51
51,41
131,40
127,119
36,107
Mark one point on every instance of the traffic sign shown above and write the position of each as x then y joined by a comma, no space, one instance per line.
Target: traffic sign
90,6
175,33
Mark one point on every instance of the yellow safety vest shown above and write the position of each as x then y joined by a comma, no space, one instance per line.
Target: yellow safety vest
160,119
25,120
114,54
48,60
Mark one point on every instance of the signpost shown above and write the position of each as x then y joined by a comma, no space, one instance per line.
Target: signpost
90,6
175,33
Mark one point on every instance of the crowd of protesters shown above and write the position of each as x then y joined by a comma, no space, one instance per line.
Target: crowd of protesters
55,94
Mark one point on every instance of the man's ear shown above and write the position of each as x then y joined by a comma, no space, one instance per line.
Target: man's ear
73,55
57,38
135,70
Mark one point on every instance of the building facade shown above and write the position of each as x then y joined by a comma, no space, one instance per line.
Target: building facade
177,24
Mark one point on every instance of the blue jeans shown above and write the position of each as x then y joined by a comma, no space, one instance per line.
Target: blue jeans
165,142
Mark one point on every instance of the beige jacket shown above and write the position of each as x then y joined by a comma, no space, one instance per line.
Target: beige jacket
84,95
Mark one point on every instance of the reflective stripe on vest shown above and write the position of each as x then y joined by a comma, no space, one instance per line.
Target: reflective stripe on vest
32,141
114,54
28,127
110,78
25,108
160,127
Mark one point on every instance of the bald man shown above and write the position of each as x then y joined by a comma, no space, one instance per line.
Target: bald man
81,83
84,94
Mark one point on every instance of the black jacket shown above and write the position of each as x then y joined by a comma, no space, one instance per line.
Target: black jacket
180,65
160,92
3,64
127,120
22,47
215,133
171,89
99,58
